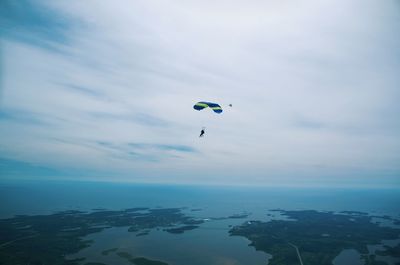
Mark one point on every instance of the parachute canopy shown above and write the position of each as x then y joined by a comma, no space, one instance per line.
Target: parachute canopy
202,105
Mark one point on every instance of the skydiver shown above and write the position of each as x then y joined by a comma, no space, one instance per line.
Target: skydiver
202,132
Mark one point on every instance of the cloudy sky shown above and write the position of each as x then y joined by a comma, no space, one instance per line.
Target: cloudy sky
104,90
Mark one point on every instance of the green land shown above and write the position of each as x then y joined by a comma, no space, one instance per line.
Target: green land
319,237
139,260
108,251
180,230
47,239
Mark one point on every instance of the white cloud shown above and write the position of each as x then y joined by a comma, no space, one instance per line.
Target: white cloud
313,87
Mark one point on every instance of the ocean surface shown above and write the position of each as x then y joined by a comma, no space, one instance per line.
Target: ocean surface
211,243
43,197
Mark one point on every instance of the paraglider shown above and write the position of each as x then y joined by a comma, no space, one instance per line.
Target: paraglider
202,105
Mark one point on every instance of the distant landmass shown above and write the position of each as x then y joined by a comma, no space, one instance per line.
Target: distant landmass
316,238
53,236
303,237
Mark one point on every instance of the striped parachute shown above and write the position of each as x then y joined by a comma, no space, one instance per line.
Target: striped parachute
202,105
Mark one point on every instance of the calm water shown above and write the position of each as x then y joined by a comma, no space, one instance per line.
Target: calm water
211,243
205,245
45,197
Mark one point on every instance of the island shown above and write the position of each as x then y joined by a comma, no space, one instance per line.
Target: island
291,237
316,238
180,230
47,239
139,260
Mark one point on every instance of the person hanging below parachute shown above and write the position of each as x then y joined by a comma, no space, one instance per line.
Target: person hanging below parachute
202,132
202,105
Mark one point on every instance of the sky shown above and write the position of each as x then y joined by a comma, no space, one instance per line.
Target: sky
104,91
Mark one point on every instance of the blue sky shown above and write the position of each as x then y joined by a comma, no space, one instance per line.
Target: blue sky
98,90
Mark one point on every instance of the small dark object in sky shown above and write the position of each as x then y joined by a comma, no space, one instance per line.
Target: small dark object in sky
202,133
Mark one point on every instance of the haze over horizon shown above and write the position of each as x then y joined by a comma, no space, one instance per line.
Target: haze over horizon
105,91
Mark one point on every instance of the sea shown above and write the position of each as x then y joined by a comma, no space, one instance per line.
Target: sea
209,244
